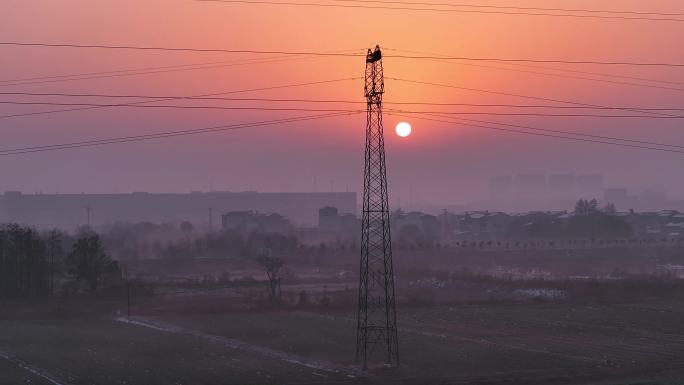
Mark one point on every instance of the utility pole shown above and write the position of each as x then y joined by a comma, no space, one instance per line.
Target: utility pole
377,319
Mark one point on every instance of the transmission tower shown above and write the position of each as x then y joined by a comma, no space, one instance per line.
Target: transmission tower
377,320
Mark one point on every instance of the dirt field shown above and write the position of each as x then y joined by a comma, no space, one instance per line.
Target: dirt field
561,343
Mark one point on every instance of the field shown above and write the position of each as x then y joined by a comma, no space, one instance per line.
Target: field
498,343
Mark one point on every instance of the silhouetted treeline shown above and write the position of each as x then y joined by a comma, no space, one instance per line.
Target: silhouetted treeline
227,244
24,267
34,265
139,241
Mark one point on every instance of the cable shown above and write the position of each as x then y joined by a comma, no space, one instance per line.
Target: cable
557,70
137,73
147,70
639,78
516,7
173,98
136,138
565,76
179,97
182,107
556,61
339,110
160,135
178,49
313,53
124,70
539,114
318,4
70,95
569,132
548,135
520,95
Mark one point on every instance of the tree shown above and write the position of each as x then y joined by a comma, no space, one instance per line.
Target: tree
580,207
90,263
610,209
55,252
24,271
593,205
586,207
271,266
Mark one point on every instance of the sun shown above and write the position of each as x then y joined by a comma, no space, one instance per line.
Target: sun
403,129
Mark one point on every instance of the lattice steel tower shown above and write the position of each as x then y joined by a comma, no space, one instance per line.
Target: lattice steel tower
377,320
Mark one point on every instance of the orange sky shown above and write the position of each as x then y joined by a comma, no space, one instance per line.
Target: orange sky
458,159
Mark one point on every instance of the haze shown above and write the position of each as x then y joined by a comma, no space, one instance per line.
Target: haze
439,164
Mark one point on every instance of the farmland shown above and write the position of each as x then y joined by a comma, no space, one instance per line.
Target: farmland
184,342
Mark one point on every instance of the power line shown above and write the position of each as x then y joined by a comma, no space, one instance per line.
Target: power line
613,75
537,114
256,108
160,135
314,53
565,76
522,96
570,133
555,61
137,138
180,49
517,7
573,71
583,105
260,108
138,73
147,70
287,100
125,70
549,135
450,10
174,98
179,97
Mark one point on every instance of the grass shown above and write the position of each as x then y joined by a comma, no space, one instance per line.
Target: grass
10,374
549,343
108,352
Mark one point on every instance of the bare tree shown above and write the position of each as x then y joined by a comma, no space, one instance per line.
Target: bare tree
272,267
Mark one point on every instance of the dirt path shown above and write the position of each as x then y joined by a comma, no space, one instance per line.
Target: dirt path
240,345
30,368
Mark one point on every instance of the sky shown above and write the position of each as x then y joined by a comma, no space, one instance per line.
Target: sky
439,162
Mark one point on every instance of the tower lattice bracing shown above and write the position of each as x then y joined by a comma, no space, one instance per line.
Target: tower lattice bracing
377,321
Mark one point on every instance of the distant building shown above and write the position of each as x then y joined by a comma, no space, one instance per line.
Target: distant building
415,227
328,219
332,224
235,220
252,221
69,210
